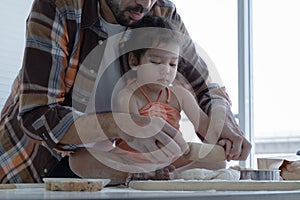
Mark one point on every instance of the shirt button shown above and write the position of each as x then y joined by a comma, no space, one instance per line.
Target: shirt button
45,171
83,100
92,71
100,42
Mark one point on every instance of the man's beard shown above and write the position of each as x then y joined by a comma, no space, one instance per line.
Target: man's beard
119,15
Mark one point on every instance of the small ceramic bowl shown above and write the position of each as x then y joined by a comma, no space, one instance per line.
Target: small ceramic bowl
260,174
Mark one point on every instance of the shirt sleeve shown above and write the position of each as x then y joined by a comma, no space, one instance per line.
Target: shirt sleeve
44,84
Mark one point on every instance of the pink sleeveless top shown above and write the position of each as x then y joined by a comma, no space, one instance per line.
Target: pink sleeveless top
160,109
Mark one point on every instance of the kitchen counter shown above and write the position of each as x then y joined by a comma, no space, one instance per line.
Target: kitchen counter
38,192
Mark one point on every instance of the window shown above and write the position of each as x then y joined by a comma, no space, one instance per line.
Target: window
276,44
212,24
12,41
276,68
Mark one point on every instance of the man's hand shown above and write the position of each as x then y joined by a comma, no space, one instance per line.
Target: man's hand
155,138
224,130
241,147
158,140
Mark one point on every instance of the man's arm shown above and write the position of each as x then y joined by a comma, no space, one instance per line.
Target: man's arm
158,140
213,99
47,74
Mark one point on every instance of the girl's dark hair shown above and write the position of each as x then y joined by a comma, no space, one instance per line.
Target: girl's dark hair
149,32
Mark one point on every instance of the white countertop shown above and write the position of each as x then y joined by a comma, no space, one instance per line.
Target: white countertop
38,192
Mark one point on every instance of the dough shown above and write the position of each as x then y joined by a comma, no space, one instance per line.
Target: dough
205,174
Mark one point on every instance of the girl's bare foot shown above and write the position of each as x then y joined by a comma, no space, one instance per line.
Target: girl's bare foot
164,173
160,174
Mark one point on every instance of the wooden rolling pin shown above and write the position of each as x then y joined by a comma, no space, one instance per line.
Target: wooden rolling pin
21,185
206,152
8,186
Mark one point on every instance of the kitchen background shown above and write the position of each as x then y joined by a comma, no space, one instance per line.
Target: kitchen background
213,25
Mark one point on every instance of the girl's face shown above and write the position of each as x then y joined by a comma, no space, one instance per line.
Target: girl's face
157,66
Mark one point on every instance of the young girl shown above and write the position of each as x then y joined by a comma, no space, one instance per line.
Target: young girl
153,92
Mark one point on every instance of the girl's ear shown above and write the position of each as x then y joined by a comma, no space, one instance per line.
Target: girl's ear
133,61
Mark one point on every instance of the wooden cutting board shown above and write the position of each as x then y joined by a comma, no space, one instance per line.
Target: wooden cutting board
197,185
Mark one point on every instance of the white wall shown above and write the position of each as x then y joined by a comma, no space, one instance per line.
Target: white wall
12,35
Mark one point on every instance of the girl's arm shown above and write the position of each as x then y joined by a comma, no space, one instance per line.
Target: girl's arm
199,118
125,102
192,110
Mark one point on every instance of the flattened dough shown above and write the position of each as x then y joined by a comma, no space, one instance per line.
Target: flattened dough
205,174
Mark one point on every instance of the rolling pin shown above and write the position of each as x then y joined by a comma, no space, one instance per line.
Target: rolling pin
8,186
205,152
21,185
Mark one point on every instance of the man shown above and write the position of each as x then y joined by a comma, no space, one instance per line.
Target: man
44,115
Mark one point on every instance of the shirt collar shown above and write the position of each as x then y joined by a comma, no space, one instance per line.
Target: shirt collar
90,13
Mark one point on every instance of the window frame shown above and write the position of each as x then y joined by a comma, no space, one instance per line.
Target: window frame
245,76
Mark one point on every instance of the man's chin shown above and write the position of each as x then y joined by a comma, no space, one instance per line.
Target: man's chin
132,23
127,22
